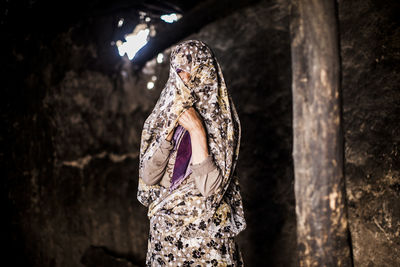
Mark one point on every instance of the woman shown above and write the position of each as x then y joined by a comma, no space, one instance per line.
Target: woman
188,154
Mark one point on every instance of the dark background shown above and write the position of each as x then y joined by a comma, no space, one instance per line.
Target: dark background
72,112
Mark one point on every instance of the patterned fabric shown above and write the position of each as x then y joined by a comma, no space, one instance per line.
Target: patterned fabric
184,219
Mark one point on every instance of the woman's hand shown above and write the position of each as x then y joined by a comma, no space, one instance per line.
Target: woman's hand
192,121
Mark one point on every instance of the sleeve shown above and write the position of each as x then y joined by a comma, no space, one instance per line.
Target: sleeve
154,168
206,176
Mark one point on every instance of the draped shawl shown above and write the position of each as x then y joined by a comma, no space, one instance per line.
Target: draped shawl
184,208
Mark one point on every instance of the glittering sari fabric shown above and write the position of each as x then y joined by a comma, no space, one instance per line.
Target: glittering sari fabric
185,226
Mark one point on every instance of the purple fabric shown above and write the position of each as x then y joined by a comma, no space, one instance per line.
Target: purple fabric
183,157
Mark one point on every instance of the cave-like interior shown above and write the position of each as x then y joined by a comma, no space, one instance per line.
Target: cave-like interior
74,105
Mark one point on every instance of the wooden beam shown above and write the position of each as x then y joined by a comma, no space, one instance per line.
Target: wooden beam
322,227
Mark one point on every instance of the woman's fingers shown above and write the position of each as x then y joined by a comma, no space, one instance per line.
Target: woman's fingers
184,121
190,119
190,114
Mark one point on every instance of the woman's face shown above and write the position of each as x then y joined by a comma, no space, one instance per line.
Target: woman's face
185,76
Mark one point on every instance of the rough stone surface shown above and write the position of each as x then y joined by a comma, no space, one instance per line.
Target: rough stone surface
370,43
101,257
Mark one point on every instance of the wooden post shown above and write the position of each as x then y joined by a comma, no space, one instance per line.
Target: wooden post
322,229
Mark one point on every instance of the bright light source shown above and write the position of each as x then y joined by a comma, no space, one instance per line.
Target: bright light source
147,19
154,78
134,41
150,85
160,58
171,17
120,22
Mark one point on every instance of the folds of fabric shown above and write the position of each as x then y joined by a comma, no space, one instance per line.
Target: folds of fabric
183,157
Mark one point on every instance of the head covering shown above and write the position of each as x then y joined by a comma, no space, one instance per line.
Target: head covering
207,93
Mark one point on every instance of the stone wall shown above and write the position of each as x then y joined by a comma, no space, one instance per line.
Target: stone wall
370,42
